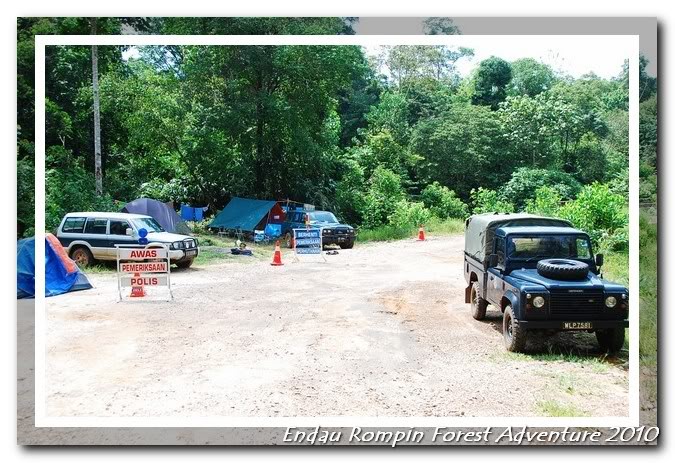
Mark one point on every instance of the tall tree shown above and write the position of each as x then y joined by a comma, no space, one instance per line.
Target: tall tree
492,77
98,169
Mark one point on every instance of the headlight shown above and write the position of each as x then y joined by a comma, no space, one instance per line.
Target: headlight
327,232
610,301
538,302
175,245
350,231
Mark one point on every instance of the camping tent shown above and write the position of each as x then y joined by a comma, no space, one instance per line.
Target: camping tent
247,215
61,273
161,212
480,230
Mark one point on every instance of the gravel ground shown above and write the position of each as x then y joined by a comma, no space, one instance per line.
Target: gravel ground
378,330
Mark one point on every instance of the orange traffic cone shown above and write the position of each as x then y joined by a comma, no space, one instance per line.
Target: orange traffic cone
137,291
420,236
277,254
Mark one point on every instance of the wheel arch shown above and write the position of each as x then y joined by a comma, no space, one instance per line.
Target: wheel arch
509,298
473,276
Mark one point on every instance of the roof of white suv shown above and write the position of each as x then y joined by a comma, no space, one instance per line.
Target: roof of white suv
107,215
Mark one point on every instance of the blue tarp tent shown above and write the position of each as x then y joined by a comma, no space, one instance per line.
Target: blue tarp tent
161,212
61,273
247,215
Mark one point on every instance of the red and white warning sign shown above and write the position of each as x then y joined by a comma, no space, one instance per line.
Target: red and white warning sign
143,280
144,267
141,253
140,267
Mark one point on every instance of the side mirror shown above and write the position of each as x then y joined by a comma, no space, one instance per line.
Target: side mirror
599,260
129,232
493,260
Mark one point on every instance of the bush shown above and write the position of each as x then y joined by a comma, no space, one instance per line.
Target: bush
350,202
525,181
443,202
484,200
199,227
384,192
600,213
409,215
546,202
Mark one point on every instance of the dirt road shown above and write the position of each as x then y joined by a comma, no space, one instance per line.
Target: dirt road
378,330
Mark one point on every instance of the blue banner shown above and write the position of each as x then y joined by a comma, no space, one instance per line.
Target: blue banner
308,241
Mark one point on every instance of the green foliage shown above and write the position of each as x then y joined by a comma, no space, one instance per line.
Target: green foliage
458,147
199,227
443,202
546,202
350,201
525,182
485,200
648,183
648,131
648,292
408,214
530,77
600,213
70,188
320,124
492,77
384,192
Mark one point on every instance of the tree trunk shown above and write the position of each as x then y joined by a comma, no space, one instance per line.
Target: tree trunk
98,170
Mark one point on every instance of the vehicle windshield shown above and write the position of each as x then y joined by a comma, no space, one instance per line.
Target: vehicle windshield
549,246
322,217
148,223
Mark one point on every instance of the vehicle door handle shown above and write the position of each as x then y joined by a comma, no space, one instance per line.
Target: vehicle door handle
492,278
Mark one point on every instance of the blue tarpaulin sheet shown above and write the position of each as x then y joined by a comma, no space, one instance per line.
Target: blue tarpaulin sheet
58,278
244,214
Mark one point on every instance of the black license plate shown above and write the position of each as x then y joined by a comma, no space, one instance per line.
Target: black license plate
577,325
190,252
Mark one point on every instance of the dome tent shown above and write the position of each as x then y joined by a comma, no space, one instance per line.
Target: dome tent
161,212
61,273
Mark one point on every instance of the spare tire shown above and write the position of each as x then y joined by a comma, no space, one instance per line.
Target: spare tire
562,269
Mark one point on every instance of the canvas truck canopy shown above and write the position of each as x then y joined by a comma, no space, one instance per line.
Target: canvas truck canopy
480,230
247,215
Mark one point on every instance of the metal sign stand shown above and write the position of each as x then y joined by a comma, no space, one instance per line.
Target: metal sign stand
120,274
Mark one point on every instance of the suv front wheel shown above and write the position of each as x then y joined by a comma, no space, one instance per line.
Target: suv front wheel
514,334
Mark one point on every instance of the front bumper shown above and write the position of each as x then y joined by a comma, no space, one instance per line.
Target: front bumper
177,255
338,239
560,325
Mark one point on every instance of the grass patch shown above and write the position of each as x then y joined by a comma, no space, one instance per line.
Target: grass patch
101,268
598,364
615,267
554,408
391,233
648,293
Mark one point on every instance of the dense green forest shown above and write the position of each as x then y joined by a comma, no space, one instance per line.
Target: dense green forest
392,140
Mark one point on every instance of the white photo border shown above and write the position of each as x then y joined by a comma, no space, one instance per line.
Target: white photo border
629,42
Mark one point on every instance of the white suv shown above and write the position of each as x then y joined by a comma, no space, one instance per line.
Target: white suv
91,236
